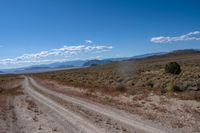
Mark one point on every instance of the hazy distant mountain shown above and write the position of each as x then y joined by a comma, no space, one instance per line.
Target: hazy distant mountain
85,63
62,64
36,68
119,59
146,55
67,63
46,67
96,62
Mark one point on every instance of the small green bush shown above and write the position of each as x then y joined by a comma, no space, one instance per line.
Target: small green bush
173,68
171,87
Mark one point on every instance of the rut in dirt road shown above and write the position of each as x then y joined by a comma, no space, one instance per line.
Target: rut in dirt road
119,118
80,124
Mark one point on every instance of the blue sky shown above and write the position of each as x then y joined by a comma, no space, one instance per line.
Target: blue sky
44,31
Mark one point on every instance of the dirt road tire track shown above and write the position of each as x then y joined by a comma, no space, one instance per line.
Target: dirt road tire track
80,124
108,112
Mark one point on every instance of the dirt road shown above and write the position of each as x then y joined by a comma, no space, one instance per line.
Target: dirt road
86,116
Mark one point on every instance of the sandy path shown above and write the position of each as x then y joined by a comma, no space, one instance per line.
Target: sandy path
78,122
119,116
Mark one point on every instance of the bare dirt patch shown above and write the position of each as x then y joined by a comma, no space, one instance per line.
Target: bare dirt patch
181,115
19,113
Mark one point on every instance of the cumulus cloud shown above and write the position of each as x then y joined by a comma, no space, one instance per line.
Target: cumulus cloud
65,51
166,39
88,41
82,48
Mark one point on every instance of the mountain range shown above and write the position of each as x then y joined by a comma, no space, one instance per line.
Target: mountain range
87,63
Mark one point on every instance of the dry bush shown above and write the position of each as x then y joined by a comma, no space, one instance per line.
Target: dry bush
172,87
146,73
121,87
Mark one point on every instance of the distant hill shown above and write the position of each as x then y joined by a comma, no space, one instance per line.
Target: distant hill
36,68
183,52
96,62
147,55
65,66
48,67
62,64
87,63
166,54
77,63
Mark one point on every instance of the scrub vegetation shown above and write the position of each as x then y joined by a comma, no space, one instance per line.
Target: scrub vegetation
174,72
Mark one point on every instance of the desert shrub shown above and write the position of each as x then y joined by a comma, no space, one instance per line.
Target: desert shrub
173,68
172,87
132,92
150,85
163,91
198,85
120,87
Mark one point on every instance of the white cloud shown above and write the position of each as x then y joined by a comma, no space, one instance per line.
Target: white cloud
88,41
190,36
82,48
65,51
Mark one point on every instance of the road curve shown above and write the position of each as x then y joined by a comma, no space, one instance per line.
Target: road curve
81,124
114,114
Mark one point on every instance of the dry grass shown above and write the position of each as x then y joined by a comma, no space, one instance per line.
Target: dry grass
135,77
10,85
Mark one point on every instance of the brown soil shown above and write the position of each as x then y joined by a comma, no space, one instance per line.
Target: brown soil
183,115
136,77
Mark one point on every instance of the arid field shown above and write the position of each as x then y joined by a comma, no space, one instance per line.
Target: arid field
137,76
140,87
128,96
99,66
